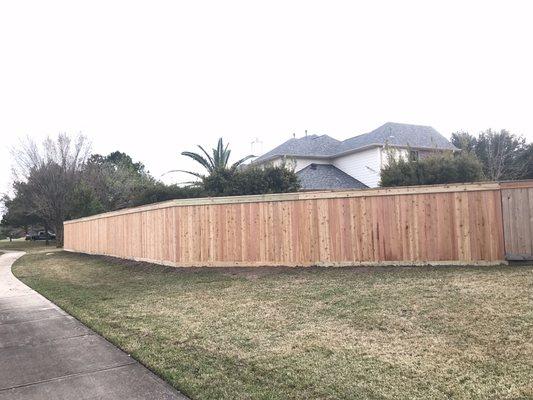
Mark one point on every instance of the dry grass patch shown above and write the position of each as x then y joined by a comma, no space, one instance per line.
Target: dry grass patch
358,333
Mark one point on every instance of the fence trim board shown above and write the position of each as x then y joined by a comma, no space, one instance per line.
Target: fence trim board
523,184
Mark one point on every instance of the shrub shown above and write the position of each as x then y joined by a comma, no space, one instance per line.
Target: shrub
158,191
435,169
250,180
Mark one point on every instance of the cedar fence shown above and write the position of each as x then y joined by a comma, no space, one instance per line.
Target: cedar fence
479,223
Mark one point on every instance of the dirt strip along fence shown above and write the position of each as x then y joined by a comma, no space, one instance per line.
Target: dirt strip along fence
481,223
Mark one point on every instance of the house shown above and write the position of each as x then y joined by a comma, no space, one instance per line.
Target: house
323,162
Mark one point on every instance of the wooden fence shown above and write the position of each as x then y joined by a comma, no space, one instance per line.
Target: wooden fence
517,209
443,224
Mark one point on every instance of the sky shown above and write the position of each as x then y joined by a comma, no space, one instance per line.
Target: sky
155,78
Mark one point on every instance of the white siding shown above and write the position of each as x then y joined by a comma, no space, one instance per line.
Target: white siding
397,153
365,166
275,162
301,163
296,162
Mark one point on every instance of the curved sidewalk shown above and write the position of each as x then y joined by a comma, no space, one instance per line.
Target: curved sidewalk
47,354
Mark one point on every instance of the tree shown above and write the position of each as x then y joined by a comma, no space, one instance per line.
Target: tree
84,202
223,179
435,169
504,156
215,162
18,210
526,159
51,172
118,158
115,180
464,141
500,153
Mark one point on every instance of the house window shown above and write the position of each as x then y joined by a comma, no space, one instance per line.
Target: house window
413,155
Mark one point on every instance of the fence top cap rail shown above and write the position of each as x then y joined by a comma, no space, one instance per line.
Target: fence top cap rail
522,184
327,194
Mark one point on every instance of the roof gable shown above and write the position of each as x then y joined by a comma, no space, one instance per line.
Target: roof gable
391,133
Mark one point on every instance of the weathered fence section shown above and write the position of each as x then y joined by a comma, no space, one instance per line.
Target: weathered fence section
517,208
433,224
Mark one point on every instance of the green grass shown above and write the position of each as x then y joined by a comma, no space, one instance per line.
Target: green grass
29,246
316,333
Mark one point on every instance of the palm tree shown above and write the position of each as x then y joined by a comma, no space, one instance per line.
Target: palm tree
215,162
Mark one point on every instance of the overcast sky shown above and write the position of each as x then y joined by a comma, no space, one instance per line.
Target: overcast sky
154,78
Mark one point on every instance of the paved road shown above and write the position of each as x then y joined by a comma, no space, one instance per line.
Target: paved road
47,354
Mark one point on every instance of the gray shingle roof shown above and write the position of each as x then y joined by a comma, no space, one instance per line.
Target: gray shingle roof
312,145
324,146
325,177
396,134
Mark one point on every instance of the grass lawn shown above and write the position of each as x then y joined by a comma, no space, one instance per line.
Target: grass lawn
316,333
29,246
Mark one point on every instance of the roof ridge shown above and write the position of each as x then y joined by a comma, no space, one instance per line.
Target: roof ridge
406,124
388,123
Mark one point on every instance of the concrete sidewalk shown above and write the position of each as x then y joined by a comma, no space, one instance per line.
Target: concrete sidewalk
47,354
